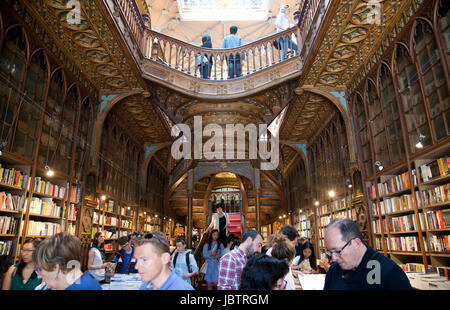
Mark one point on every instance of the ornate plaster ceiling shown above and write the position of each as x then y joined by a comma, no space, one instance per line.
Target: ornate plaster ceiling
352,45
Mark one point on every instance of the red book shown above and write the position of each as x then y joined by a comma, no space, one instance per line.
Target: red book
441,221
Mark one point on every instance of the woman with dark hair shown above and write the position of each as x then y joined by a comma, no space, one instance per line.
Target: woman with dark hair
203,63
96,257
307,261
220,222
212,251
263,272
22,276
232,241
5,263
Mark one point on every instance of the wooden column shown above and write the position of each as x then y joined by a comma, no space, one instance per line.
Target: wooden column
258,204
190,188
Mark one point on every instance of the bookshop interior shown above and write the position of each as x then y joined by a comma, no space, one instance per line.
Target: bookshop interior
340,180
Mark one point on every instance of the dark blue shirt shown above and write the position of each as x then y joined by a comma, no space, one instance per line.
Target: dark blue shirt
366,276
86,282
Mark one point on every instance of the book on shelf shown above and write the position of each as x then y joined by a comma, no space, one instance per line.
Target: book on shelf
435,219
438,194
413,267
97,218
111,206
110,220
406,243
108,247
440,243
325,220
395,184
6,248
45,206
14,177
434,169
323,209
70,212
11,202
37,228
405,223
376,226
379,244
9,225
75,194
444,272
396,204
72,228
43,187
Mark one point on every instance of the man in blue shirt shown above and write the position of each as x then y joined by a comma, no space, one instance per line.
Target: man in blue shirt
152,254
124,257
356,266
234,63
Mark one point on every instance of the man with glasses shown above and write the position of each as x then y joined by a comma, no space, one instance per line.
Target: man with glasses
356,266
152,254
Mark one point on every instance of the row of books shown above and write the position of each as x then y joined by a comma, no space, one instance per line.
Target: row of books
111,206
45,206
323,209
405,223
324,220
72,228
123,233
378,243
75,194
126,224
9,225
435,169
13,177
303,225
322,232
392,185
406,243
11,202
37,228
47,188
70,212
97,218
396,204
433,196
6,248
338,204
110,220
127,212
440,243
413,267
438,219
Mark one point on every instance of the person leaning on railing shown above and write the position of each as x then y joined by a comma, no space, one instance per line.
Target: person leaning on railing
204,64
234,61
282,23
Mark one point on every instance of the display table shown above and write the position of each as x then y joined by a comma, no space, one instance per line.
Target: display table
123,282
427,281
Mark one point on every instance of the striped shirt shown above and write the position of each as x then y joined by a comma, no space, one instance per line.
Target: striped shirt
230,269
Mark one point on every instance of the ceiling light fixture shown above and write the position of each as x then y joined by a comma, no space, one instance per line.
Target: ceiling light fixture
331,193
379,165
50,172
348,183
419,144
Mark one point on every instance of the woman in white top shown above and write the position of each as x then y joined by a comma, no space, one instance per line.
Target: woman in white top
96,257
220,221
282,23
306,262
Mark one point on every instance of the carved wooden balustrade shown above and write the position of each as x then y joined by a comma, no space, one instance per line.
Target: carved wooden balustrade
175,63
254,57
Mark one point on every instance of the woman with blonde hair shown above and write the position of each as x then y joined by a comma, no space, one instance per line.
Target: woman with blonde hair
57,262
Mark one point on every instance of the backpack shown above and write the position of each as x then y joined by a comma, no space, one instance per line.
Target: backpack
187,261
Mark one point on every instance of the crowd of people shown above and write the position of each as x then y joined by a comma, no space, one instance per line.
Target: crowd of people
251,264
234,61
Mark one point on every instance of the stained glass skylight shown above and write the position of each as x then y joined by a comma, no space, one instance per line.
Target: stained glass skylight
220,10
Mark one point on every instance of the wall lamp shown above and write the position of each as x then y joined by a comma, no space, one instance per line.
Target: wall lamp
379,165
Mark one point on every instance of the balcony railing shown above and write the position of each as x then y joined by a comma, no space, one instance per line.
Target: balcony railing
183,57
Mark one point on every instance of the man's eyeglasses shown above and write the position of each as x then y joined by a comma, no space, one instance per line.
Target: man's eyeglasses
150,236
338,252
